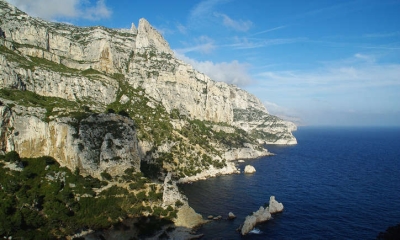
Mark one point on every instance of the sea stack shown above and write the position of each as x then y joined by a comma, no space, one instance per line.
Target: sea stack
262,215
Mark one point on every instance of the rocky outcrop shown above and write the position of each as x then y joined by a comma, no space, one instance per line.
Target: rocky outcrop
230,168
148,37
97,143
274,206
188,218
261,215
247,152
171,193
249,169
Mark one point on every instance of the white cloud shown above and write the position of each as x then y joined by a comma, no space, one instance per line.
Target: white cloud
203,44
230,72
55,9
205,8
100,10
238,25
360,71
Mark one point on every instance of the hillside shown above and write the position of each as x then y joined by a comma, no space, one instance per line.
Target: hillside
101,101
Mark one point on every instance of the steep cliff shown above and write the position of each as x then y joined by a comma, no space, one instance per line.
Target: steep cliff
97,143
117,105
185,122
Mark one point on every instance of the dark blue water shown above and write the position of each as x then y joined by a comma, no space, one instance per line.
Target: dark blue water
337,183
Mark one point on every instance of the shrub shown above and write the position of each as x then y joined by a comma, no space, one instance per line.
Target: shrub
123,113
12,156
105,175
179,203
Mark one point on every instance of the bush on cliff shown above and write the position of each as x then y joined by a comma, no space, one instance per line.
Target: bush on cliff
46,201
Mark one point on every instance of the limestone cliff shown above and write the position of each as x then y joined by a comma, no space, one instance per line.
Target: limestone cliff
184,122
97,143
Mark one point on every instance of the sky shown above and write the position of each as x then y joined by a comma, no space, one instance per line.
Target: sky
316,62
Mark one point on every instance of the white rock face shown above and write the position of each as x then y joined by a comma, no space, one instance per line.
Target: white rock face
259,216
247,152
104,142
171,192
148,37
249,169
187,217
262,215
211,172
55,84
274,206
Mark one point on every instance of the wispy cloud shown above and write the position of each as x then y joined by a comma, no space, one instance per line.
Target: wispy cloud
56,9
329,11
382,35
238,25
203,44
248,43
282,112
358,72
232,72
268,30
383,47
205,8
181,28
364,57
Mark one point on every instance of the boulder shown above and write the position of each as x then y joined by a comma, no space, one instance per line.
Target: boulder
249,169
231,215
217,217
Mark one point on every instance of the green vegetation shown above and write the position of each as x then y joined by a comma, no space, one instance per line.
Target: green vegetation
30,99
46,201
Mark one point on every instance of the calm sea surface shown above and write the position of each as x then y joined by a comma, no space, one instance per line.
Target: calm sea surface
337,183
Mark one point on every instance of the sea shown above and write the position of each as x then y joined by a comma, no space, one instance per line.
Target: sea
336,183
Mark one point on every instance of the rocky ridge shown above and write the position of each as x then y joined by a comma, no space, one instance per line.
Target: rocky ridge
103,100
261,215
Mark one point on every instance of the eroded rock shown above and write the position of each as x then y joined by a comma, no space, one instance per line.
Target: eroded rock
261,215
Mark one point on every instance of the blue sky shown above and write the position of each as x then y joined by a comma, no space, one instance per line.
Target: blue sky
317,62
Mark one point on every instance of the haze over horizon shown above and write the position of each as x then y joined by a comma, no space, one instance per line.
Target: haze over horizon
313,62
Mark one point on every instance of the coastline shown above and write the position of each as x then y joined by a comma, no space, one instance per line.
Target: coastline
232,156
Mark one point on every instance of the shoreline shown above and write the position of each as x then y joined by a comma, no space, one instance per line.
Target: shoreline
232,157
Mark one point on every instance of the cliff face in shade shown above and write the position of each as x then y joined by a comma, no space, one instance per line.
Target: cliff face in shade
183,121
